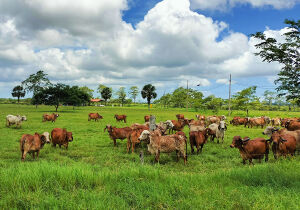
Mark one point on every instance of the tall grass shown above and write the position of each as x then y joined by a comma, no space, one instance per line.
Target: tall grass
92,174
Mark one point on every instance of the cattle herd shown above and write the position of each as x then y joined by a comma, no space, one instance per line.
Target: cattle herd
162,139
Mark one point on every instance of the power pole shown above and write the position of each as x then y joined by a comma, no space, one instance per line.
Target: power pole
229,101
187,94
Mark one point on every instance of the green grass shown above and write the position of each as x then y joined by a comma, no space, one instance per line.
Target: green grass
93,174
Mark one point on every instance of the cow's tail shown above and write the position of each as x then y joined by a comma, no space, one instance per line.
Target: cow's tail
267,150
186,156
22,143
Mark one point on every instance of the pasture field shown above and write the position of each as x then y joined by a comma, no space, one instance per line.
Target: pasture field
92,174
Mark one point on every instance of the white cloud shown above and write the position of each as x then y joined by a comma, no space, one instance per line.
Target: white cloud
87,43
227,4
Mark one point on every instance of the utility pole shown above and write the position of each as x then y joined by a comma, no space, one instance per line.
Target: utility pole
229,101
187,94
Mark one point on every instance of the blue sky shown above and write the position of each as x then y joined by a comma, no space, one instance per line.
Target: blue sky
135,42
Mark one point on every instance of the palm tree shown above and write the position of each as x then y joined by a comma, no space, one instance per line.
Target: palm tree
149,93
18,92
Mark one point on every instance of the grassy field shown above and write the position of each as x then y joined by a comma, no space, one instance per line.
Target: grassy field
93,174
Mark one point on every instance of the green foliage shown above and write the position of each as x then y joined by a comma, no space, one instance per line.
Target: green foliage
148,92
121,95
36,82
100,88
106,94
286,53
18,92
59,94
87,90
242,100
134,91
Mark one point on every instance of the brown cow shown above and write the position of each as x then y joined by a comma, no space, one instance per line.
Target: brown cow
254,149
283,144
133,139
212,119
61,137
50,117
120,118
200,117
33,144
94,116
117,133
178,125
198,139
257,121
292,125
180,117
276,121
147,118
165,144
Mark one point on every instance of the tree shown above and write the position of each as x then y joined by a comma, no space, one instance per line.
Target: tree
36,82
100,88
243,99
286,53
88,91
148,92
18,92
121,95
60,94
106,94
134,91
269,96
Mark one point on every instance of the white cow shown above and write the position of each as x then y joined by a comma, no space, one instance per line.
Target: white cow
218,130
11,120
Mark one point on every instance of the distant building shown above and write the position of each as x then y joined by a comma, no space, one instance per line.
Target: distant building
95,100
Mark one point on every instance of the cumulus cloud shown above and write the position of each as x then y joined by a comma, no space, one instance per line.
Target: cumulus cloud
87,43
227,4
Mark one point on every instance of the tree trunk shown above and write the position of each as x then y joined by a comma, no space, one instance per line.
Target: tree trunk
148,104
105,101
18,99
56,107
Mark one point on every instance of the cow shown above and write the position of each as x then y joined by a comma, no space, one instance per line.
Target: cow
292,125
117,133
212,119
94,116
178,125
180,117
218,131
196,128
120,118
198,139
257,121
276,121
270,130
197,123
49,117
164,126
200,117
133,139
283,144
166,144
239,121
11,120
61,136
147,118
33,144
251,149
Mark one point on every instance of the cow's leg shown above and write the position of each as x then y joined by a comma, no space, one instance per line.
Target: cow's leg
132,147
157,156
59,145
250,161
54,145
192,148
24,155
244,161
22,152
198,147
218,140
178,155
115,142
128,146
201,148
33,156
37,154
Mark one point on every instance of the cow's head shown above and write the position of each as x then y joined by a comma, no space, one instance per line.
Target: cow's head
207,132
47,136
238,142
99,116
144,135
23,118
222,126
56,115
169,124
287,123
69,136
108,128
270,130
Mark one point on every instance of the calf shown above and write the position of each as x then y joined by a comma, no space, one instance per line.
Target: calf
147,118
218,131
117,133
198,139
11,120
33,144
61,137
94,116
164,126
179,125
133,139
251,149
283,144
50,117
166,144
292,125
120,118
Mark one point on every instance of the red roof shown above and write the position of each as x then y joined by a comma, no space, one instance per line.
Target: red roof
96,99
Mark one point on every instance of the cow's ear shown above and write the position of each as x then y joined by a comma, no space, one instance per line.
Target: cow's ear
284,140
245,140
